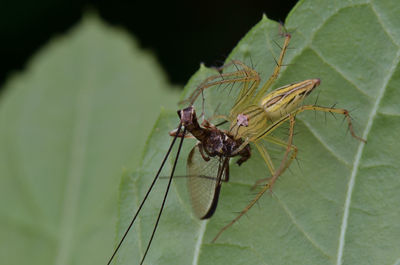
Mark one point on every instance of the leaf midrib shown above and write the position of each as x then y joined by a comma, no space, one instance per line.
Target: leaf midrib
75,170
357,160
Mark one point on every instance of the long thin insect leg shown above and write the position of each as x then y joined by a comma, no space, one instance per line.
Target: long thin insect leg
147,194
164,199
202,153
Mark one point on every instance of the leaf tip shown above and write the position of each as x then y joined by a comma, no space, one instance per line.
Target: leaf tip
264,17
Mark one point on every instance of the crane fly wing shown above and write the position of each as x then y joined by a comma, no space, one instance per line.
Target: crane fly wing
204,181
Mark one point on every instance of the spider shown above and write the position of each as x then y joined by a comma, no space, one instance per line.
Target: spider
257,113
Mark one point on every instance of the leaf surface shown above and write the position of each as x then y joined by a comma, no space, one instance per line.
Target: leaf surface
69,124
340,204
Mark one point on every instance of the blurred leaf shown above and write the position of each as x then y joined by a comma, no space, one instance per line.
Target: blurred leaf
340,205
69,124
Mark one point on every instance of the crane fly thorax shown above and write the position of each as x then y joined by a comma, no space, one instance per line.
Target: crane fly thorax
219,143
215,142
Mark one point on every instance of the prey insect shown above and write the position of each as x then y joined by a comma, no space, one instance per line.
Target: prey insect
208,166
253,117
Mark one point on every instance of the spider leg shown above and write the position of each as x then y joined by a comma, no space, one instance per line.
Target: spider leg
277,69
316,108
282,143
243,74
275,174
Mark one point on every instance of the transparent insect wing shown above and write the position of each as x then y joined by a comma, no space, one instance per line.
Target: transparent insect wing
204,182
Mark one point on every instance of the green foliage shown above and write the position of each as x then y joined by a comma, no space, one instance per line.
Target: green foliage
340,205
81,110
69,124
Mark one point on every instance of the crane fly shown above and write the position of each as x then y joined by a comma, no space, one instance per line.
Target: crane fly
253,117
212,153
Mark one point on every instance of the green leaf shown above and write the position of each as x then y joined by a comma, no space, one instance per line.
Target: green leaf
340,205
69,124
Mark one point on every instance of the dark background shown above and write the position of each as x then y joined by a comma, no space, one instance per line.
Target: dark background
180,33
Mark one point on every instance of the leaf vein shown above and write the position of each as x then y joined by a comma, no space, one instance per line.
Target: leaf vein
357,160
388,114
324,144
397,262
75,171
199,242
385,29
306,235
336,68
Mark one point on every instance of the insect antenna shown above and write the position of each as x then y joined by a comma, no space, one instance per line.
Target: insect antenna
166,193
148,193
